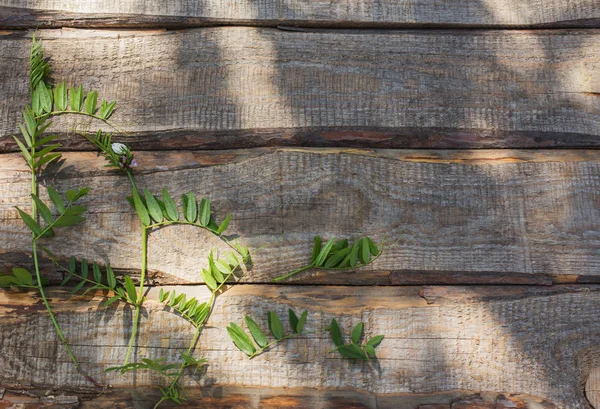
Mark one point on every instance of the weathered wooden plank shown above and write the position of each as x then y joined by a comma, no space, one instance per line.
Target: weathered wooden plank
234,87
463,217
229,397
355,13
536,340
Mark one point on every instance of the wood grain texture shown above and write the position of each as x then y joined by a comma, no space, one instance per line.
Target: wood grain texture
535,340
501,216
235,87
337,13
231,397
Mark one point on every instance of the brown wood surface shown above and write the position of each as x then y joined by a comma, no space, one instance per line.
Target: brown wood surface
534,340
230,397
236,87
517,217
336,13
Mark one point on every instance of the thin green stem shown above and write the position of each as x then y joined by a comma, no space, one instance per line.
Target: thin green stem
138,305
288,275
83,113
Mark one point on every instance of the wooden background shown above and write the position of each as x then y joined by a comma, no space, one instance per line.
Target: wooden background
463,134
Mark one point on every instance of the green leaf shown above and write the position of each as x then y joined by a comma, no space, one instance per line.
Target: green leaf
370,351
162,295
66,279
275,325
336,334
153,206
339,245
171,211
190,208
97,272
301,322
45,97
208,279
357,332
241,339
316,248
112,300
66,221
223,267
30,223
46,159
335,259
293,320
84,268
223,226
31,124
60,97
7,281
26,136
204,211
365,253
106,109
82,192
353,351
372,247
90,102
324,252
46,150
72,264
23,276
56,199
259,336
77,287
71,195
24,151
130,288
140,208
353,256
214,270
43,209
110,277
375,341
76,98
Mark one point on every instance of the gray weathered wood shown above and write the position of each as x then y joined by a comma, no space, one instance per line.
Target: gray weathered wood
353,13
478,216
534,340
233,87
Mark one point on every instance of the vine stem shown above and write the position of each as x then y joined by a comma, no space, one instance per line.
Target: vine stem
288,275
40,288
67,112
140,300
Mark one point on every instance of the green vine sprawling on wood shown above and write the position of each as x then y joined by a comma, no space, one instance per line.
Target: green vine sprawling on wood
154,212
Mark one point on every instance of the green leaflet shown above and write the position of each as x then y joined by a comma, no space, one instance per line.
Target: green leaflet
241,339
153,207
23,277
301,322
208,279
223,226
293,320
140,208
336,334
372,247
76,98
190,209
106,109
65,221
43,209
56,199
204,212
357,332
316,249
30,223
90,102
110,277
353,351
375,341
60,97
44,96
97,273
259,336
336,258
370,350
324,252
365,253
130,288
275,325
171,211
